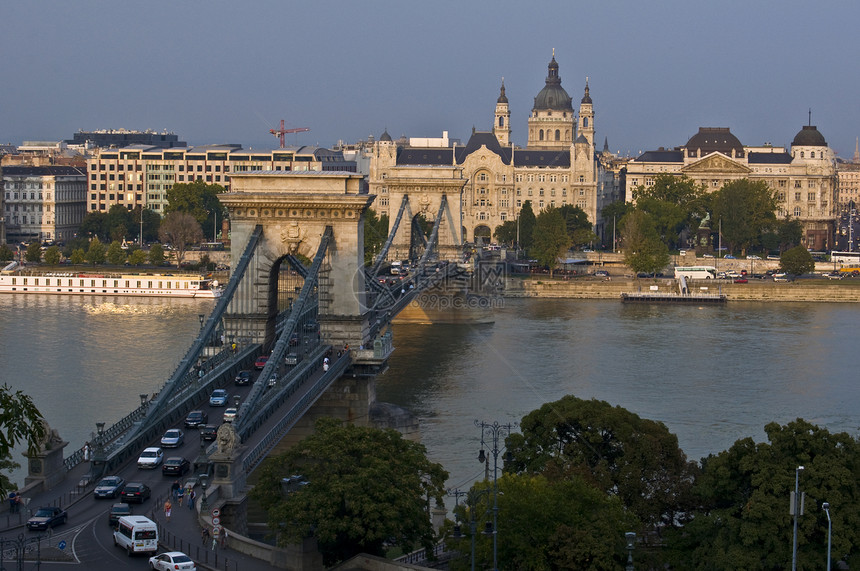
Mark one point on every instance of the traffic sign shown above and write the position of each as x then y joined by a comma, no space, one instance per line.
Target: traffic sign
216,520
216,512
216,530
62,544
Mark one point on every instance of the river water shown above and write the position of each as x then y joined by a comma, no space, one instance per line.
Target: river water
711,374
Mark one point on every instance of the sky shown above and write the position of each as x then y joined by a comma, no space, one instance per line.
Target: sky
226,72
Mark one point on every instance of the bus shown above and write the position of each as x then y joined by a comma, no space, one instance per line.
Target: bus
696,272
845,258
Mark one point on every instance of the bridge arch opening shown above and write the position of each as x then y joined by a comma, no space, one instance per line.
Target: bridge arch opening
285,283
483,235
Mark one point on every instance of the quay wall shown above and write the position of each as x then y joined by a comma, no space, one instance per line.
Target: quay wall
843,291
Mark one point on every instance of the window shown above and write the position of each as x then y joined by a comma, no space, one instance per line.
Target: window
797,196
797,211
810,196
557,135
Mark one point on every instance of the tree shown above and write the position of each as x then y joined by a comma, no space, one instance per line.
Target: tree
156,255
96,252
199,200
33,253
576,222
369,489
6,253
527,225
743,521
643,249
797,261
615,211
115,254
673,203
52,255
551,239
137,258
506,233
789,233
180,229
375,234
638,460
119,223
20,422
745,210
78,256
95,224
544,524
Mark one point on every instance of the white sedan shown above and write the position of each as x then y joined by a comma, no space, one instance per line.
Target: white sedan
172,560
150,457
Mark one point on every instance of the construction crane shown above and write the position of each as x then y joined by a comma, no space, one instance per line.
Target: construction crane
279,133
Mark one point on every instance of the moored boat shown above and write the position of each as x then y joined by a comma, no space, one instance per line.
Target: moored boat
95,283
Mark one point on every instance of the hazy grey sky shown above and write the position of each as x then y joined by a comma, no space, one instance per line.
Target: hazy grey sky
219,72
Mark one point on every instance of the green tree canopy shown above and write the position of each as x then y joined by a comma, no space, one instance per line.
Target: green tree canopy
6,253
95,224
674,203
528,220
551,239
78,257
156,254
52,255
638,460
119,223
644,251
368,490
375,234
137,258
743,521
115,254
796,261
181,230
96,253
151,222
506,233
789,233
745,209
20,422
198,199
33,253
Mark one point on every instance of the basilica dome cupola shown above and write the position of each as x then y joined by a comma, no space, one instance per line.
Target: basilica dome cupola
551,124
553,96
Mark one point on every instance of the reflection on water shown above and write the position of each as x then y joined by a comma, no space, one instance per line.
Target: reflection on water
711,374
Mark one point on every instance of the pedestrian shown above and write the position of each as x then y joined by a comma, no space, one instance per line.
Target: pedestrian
224,538
204,535
180,494
87,451
168,509
13,502
192,495
174,490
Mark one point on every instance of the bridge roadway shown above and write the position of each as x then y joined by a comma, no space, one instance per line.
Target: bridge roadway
87,535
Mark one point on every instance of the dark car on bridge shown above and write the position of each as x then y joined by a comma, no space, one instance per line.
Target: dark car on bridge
196,418
47,517
136,492
175,466
117,511
243,378
208,432
109,487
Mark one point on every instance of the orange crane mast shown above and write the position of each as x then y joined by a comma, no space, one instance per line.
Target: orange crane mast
279,133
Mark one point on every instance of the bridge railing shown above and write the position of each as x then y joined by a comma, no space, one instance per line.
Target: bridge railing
255,456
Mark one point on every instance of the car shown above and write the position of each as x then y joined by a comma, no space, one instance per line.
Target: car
242,379
707,255
834,276
218,397
682,253
175,466
208,432
273,381
601,274
782,278
294,339
291,359
173,438
136,492
729,257
48,516
230,414
740,280
109,487
261,362
773,257
150,457
753,257
172,560
196,418
117,511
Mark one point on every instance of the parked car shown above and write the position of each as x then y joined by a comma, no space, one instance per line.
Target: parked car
218,398
753,257
773,257
150,457
782,278
208,432
601,274
46,517
242,379
729,257
261,362
707,255
230,414
136,492
109,487
173,438
117,511
172,560
196,418
740,280
834,276
175,466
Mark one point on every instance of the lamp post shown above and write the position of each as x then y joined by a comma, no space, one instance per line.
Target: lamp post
494,431
631,543
204,483
826,507
99,449
202,318
796,506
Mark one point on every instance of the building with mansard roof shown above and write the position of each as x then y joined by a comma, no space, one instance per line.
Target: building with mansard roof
804,176
558,166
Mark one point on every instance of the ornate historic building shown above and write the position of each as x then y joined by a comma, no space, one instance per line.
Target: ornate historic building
804,178
558,166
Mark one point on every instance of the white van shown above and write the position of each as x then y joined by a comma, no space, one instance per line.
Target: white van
136,534
396,266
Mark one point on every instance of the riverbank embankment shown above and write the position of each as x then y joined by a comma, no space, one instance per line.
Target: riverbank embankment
812,290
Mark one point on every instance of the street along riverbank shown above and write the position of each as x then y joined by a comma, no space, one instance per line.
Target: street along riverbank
804,290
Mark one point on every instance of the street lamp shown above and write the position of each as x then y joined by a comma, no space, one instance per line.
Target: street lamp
796,506
202,318
826,507
631,543
143,399
204,483
494,431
